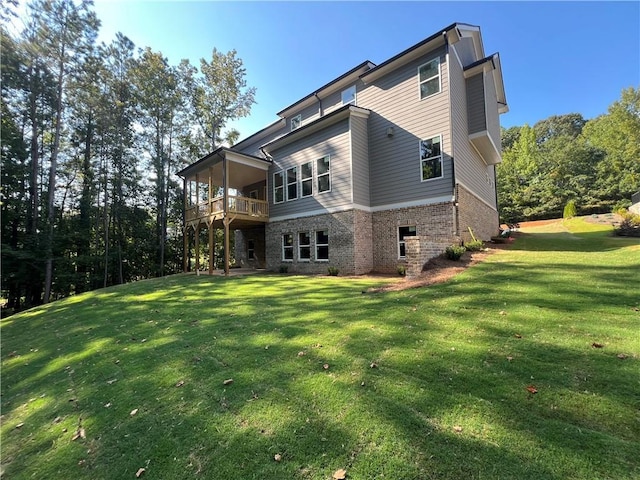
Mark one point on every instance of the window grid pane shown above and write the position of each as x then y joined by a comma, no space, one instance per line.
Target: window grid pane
292,183
431,158
429,78
322,245
304,246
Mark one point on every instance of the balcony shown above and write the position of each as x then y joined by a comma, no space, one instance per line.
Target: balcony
240,208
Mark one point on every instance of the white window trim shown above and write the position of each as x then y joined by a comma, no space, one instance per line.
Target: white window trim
283,247
320,245
300,259
286,177
322,175
355,95
439,75
400,257
302,195
281,172
299,119
420,159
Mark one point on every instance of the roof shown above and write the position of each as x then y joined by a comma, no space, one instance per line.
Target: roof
221,152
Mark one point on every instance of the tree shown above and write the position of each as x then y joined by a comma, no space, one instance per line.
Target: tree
220,94
617,134
569,125
65,32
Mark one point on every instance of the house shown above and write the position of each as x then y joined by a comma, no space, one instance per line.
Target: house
635,203
349,172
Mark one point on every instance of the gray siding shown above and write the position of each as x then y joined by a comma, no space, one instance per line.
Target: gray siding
332,141
466,52
395,161
470,169
477,118
360,160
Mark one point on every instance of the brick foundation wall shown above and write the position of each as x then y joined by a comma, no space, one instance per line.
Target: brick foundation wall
435,225
363,261
242,238
474,213
342,243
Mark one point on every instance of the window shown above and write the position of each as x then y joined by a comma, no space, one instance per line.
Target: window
349,95
431,158
296,122
292,183
323,174
322,245
253,194
404,232
287,247
278,187
304,246
429,78
251,249
306,179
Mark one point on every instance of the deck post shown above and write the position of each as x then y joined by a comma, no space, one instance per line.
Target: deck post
211,250
198,247
225,210
185,230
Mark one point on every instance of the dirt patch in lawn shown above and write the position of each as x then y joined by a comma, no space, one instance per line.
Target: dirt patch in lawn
440,269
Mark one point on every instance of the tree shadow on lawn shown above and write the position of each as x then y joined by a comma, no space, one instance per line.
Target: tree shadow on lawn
399,423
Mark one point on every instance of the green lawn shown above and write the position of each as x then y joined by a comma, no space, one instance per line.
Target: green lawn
421,384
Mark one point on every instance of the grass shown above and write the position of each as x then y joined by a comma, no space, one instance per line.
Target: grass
446,397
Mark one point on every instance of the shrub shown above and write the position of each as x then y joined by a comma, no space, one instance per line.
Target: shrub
402,270
629,226
454,252
474,245
570,210
333,271
284,268
623,204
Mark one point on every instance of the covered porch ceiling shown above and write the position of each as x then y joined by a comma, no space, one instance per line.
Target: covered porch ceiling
242,169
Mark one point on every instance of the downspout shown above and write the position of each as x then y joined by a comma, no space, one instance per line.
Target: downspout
320,110
456,220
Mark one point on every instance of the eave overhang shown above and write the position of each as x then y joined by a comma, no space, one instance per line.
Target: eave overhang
333,86
323,122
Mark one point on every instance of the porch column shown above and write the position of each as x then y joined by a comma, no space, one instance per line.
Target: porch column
225,210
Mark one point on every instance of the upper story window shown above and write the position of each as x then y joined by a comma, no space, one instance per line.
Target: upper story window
349,95
278,187
292,183
431,158
429,78
296,122
306,179
323,174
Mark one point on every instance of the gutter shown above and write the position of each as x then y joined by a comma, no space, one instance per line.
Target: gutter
320,109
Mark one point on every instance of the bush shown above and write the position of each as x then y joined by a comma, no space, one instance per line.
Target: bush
402,270
474,245
333,271
454,252
629,226
284,268
570,210
623,205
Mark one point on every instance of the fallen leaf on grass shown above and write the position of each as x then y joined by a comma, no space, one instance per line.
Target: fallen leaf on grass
301,354
180,383
502,312
457,428
597,345
531,389
112,381
622,356
20,425
374,365
517,335
57,420
140,472
107,405
80,433
509,358
325,366
229,381
340,474
277,457
133,412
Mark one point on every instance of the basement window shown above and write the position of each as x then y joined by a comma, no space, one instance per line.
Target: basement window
404,232
287,247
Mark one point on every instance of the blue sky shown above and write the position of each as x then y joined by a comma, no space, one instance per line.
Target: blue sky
557,57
